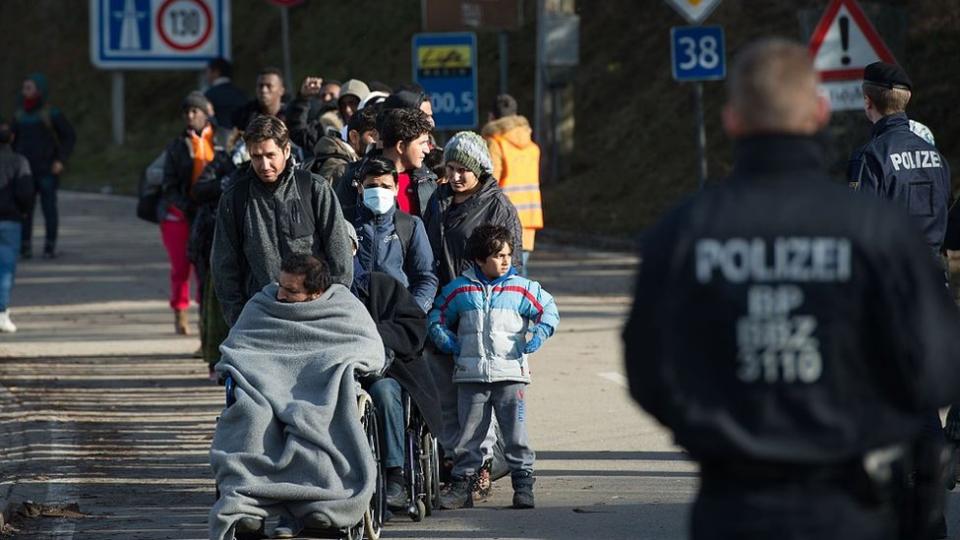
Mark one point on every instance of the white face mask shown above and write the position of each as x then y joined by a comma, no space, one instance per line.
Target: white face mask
379,200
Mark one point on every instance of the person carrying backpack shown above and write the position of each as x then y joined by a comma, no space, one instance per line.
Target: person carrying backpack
45,137
390,240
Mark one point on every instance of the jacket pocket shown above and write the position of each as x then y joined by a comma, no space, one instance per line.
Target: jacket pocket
920,199
297,223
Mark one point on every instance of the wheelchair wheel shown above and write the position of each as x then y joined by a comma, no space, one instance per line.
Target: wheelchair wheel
430,462
373,517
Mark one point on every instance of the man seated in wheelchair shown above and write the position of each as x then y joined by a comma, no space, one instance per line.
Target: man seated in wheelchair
292,443
403,327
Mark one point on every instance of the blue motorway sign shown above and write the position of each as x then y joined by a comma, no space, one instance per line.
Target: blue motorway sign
158,34
445,65
698,53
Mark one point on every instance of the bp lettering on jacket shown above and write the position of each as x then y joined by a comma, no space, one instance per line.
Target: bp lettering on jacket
776,339
917,159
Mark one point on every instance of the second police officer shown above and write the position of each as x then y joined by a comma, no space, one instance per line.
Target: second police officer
794,335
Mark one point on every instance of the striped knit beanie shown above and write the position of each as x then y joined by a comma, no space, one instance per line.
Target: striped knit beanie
469,149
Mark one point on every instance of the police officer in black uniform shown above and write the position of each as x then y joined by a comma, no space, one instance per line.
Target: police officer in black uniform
897,164
793,334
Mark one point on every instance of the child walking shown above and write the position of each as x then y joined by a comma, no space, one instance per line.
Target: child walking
492,309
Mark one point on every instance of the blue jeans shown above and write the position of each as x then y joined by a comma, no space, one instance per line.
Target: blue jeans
9,251
47,189
387,397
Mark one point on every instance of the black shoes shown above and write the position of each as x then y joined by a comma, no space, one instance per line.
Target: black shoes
523,490
396,492
458,493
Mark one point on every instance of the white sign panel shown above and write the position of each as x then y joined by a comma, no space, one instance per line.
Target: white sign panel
158,34
694,11
844,95
845,42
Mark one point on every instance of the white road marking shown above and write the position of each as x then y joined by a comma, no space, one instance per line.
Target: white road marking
614,377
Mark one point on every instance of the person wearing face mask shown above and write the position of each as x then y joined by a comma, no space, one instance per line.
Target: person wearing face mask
390,240
186,157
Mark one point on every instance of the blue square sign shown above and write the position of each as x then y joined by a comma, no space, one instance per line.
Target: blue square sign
698,53
445,65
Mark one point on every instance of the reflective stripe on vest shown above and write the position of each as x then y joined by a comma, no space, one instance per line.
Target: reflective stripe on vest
521,181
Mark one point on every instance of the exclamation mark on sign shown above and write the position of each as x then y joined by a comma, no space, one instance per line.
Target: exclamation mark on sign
845,38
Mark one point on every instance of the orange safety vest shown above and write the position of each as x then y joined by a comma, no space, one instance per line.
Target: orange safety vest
520,181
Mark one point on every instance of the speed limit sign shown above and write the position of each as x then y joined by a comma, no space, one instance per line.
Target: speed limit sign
158,34
184,25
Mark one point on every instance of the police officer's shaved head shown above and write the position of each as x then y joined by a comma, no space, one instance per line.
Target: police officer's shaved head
773,89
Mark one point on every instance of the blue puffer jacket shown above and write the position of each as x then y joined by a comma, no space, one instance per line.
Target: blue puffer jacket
380,250
491,319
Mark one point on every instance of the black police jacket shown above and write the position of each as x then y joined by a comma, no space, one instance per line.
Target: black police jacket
900,166
782,317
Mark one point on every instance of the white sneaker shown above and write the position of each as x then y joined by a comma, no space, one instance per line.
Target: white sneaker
6,325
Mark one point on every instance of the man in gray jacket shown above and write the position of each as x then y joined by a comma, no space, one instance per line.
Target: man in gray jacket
269,212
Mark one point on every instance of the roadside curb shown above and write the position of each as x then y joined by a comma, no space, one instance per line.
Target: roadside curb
9,438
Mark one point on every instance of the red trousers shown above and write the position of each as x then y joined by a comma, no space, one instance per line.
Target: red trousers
175,231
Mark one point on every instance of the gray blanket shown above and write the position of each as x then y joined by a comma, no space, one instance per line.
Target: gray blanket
292,443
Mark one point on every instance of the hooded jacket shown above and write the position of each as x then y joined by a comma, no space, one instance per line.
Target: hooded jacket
516,165
16,185
178,168
273,226
43,134
422,180
449,225
331,155
492,318
380,249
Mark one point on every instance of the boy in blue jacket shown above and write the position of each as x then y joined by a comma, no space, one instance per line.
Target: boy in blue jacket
492,309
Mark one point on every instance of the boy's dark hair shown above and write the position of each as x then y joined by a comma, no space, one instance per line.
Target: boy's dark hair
376,166
504,105
487,240
377,86
270,70
363,120
316,275
405,125
331,81
263,127
221,66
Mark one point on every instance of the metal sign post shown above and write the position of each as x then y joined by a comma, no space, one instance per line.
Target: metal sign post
698,54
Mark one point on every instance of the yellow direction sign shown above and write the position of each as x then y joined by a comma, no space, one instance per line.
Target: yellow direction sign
694,11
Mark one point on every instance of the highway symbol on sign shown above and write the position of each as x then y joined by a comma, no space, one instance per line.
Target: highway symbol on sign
130,25
845,42
694,11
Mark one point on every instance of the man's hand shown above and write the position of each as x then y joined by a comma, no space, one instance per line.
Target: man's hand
311,86
444,340
56,168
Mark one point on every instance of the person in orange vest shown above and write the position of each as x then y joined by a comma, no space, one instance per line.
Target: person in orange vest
516,165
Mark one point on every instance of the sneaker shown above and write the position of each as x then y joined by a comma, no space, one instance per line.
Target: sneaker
49,253
26,252
523,490
458,493
396,493
284,529
248,525
6,325
481,489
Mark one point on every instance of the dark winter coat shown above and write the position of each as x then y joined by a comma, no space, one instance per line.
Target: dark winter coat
16,185
248,249
178,170
449,225
331,155
381,250
43,134
403,327
226,98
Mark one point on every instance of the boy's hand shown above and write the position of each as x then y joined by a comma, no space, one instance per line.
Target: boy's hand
444,340
535,341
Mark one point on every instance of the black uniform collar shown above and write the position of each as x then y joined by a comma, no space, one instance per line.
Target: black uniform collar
893,121
778,153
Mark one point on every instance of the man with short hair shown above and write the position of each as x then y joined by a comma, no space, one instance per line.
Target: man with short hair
270,211
225,96
516,166
792,334
268,101
897,164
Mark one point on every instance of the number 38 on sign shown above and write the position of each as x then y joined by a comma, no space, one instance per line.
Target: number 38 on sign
698,53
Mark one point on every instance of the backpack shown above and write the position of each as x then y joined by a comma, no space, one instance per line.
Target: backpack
151,188
403,224
304,182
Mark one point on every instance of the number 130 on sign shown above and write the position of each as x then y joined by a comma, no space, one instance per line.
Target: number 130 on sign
698,53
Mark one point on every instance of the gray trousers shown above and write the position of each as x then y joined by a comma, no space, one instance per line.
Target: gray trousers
477,405
441,368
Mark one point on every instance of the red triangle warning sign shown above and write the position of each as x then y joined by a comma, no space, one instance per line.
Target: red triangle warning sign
845,42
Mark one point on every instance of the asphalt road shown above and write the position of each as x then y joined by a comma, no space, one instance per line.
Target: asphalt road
106,420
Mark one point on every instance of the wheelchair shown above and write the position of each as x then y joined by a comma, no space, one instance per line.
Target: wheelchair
371,525
421,468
